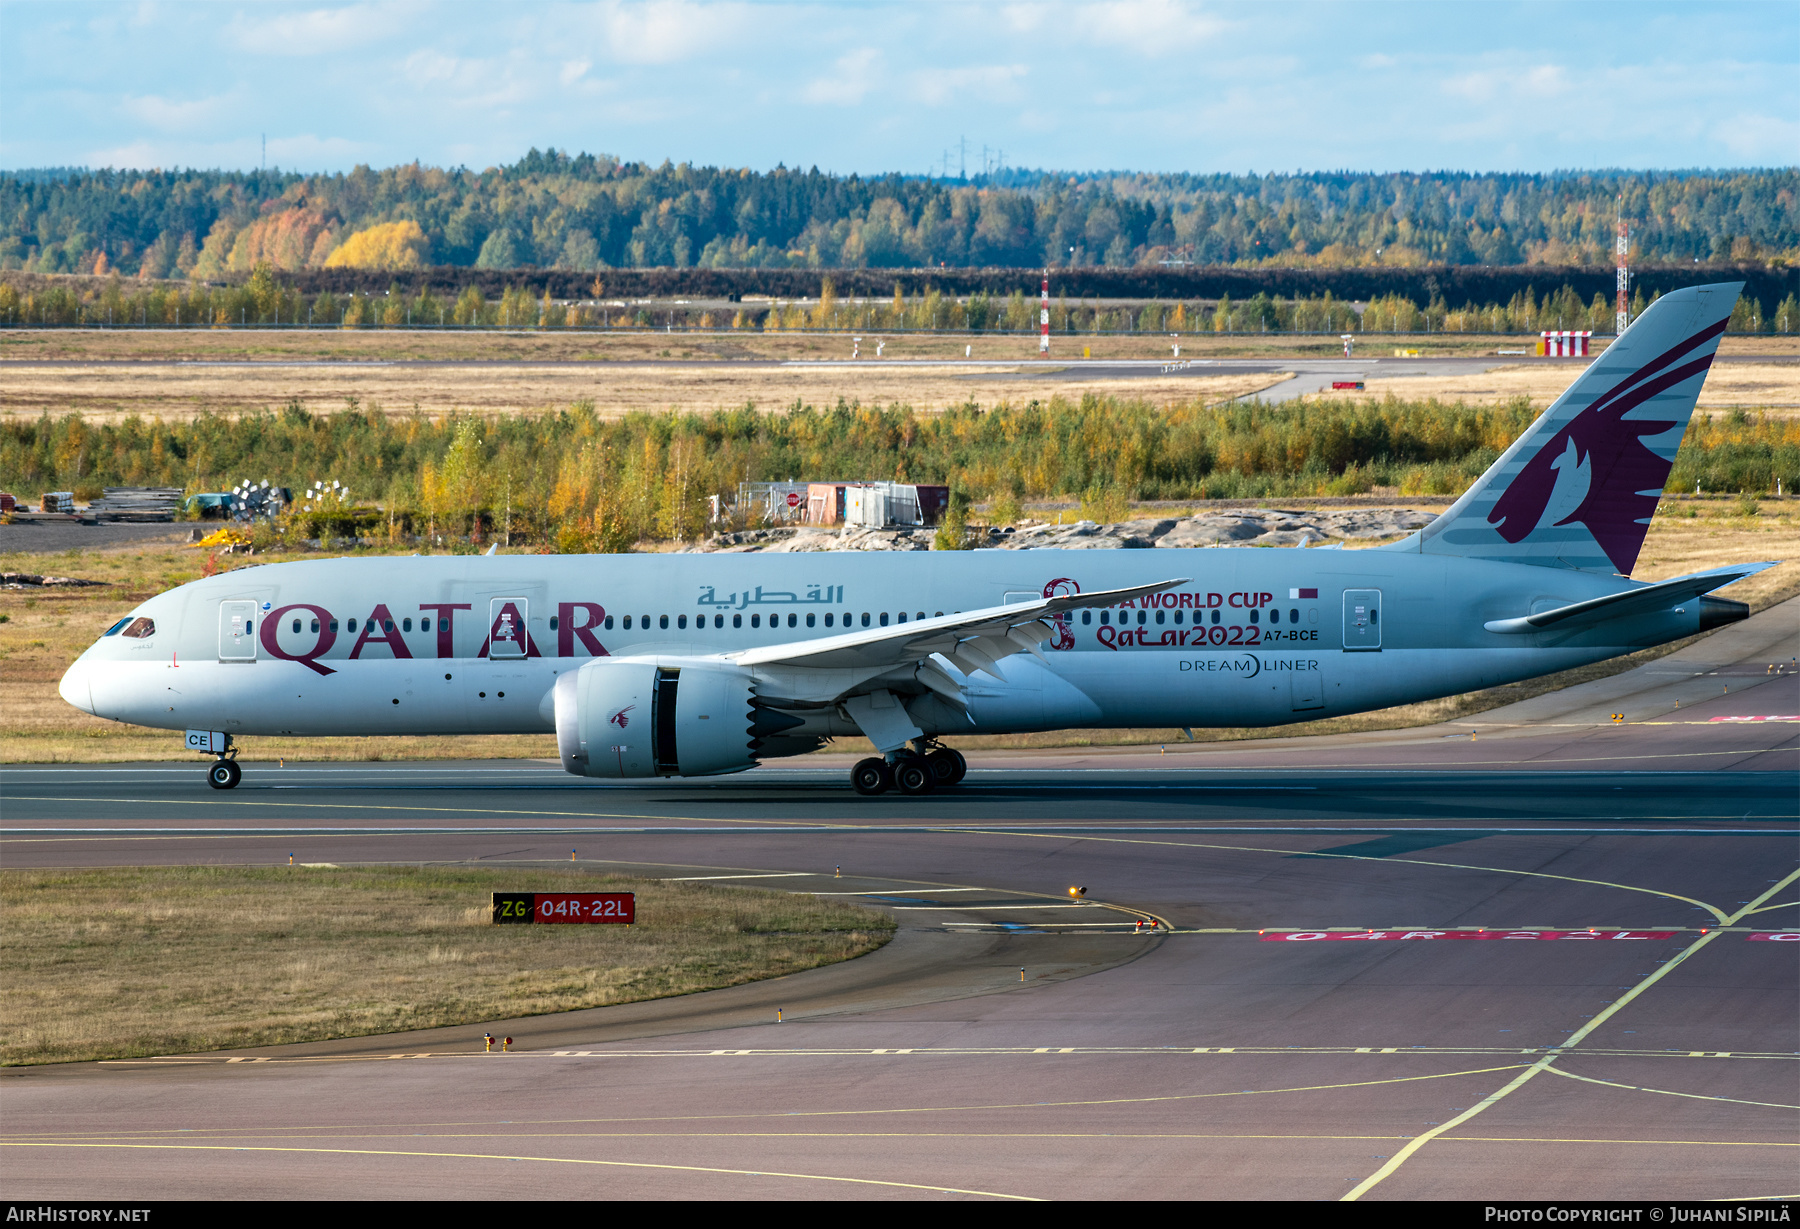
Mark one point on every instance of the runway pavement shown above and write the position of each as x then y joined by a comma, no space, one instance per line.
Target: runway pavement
1554,960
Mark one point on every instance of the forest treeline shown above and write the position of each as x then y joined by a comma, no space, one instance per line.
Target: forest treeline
266,299
576,481
551,210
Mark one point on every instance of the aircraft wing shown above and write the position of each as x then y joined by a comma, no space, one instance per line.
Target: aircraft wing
973,640
1636,601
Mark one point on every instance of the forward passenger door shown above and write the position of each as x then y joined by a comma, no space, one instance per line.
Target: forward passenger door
237,631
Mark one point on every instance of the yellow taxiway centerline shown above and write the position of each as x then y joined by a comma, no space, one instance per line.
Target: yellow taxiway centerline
552,1160
1525,1077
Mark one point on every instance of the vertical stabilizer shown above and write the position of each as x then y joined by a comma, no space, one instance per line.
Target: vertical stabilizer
1577,490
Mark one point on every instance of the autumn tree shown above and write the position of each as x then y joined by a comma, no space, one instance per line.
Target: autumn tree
390,245
470,307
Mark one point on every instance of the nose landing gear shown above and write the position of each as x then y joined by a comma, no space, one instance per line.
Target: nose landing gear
224,774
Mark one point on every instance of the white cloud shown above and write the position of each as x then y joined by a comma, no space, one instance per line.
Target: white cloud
173,115
1148,27
1474,86
1543,81
988,82
321,31
1023,18
1547,80
667,31
433,68
1156,84
852,78
138,155
306,151
1759,139
465,83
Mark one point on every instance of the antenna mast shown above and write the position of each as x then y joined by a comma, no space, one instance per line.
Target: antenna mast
1621,246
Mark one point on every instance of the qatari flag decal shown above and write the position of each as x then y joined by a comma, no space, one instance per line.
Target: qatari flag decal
1295,595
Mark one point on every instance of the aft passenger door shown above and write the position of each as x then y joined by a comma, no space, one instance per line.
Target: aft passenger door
237,631
1362,620
500,692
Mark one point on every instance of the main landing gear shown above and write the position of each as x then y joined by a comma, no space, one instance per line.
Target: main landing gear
919,769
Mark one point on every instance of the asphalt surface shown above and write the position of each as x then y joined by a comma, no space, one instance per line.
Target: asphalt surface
1649,1052
49,534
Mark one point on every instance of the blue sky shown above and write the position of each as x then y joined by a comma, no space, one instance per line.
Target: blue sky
1159,85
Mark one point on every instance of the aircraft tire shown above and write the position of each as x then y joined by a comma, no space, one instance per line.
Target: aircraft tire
947,766
914,776
871,777
225,774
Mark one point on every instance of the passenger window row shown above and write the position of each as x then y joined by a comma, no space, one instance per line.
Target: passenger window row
793,620
406,625
880,619
1143,616
642,622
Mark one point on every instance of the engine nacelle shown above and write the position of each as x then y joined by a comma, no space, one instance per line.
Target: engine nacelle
655,718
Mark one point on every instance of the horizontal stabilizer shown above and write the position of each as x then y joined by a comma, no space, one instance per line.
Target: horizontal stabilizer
1646,599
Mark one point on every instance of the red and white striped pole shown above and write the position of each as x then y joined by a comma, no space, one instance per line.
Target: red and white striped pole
1621,249
1044,318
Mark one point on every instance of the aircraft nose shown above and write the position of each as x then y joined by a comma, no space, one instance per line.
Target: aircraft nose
76,687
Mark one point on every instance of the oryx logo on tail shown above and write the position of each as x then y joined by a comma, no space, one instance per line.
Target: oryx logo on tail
1600,464
1578,489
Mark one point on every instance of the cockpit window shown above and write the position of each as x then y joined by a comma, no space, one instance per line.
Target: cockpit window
140,629
115,628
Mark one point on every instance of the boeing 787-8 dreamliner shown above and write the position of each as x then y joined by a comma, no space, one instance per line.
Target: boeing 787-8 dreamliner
700,664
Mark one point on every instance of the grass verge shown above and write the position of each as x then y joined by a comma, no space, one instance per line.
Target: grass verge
123,962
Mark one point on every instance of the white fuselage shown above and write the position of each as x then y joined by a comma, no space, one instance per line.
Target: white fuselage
1256,637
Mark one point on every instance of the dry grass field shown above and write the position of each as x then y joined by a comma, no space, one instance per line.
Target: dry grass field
640,370
129,961
43,630
643,345
179,391
1772,387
